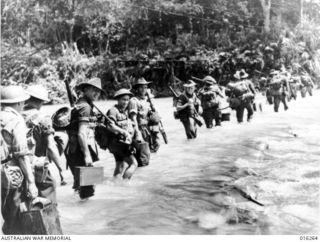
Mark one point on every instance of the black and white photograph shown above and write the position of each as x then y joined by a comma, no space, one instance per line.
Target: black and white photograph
160,117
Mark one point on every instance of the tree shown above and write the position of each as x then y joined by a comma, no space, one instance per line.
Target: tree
266,7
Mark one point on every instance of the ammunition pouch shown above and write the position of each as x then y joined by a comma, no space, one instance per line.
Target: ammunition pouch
153,118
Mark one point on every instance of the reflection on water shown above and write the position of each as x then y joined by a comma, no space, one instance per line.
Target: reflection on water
214,184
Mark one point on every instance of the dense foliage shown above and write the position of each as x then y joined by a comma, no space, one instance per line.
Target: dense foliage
48,40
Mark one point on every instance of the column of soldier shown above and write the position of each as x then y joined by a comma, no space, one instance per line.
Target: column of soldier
130,130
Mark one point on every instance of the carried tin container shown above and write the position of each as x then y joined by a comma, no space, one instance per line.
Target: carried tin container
89,175
42,221
225,117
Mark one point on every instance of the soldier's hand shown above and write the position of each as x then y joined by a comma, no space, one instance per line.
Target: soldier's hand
88,161
32,190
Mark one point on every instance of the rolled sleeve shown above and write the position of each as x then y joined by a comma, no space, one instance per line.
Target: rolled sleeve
84,112
19,146
112,114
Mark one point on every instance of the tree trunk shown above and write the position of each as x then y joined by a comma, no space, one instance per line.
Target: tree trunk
301,11
279,13
266,6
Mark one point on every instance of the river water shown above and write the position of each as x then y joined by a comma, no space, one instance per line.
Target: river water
197,187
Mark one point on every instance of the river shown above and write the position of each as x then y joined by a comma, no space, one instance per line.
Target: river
196,187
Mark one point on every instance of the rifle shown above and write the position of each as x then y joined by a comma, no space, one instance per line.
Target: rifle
162,131
70,97
196,116
198,79
173,92
110,122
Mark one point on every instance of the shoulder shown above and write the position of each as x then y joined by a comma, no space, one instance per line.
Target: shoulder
113,111
133,104
11,119
13,123
134,100
83,108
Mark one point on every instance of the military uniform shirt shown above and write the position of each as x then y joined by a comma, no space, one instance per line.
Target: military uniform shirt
183,99
14,132
121,118
140,106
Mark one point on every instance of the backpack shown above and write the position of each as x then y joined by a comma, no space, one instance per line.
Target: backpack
276,85
4,148
240,88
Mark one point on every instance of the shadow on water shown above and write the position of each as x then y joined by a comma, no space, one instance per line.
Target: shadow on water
211,185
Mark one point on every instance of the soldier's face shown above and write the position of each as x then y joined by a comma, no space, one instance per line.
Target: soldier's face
123,101
142,90
190,90
20,106
93,93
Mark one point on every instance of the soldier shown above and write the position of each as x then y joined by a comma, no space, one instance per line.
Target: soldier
210,102
48,141
241,94
141,114
121,144
279,89
189,108
307,85
17,179
82,148
42,143
293,88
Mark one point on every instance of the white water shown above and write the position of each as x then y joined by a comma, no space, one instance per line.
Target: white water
189,186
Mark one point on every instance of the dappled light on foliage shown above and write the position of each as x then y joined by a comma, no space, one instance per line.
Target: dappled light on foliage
118,40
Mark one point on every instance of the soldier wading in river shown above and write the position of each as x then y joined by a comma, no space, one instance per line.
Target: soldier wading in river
189,108
17,179
279,90
82,147
210,102
141,114
241,95
44,143
122,136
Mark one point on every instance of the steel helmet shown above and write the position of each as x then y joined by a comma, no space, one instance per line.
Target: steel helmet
13,94
140,81
209,80
39,92
94,82
122,92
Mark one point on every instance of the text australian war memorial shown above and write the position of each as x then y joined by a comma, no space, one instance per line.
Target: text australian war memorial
160,117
